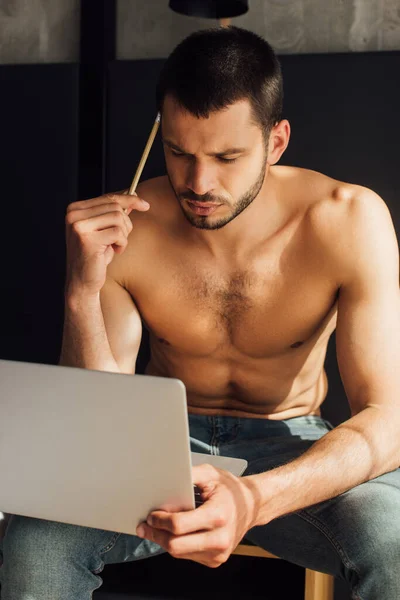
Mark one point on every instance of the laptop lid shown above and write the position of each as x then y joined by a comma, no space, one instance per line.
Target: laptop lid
94,448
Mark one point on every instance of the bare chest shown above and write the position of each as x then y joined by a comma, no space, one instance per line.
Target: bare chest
260,311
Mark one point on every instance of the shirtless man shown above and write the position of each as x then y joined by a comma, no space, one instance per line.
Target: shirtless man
241,269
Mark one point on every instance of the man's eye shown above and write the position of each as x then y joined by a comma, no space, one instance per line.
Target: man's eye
227,160
220,158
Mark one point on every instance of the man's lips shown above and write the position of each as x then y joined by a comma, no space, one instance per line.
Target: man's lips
202,204
203,209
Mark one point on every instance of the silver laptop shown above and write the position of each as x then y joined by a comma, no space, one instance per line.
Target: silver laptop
94,448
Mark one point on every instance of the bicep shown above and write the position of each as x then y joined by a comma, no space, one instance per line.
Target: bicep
368,348
123,324
368,325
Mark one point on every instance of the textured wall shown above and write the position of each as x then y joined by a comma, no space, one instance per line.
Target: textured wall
149,29
39,31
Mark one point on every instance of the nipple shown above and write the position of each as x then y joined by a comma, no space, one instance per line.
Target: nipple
296,344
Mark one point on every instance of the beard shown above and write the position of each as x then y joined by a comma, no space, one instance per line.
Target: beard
201,222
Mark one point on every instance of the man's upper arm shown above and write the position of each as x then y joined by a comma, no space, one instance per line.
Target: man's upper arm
368,325
123,324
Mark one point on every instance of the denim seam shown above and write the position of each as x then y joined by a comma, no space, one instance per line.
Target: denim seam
303,514
106,549
110,544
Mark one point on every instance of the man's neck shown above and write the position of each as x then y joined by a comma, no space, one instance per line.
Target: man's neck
255,225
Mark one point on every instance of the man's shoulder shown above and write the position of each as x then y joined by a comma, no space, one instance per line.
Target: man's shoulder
321,198
155,189
163,204
148,228
347,221
339,206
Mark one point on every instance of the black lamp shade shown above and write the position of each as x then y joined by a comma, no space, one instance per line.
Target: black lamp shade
210,9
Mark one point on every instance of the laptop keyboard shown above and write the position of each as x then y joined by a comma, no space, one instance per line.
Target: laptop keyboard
198,500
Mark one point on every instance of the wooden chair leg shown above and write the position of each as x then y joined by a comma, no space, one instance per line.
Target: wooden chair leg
318,586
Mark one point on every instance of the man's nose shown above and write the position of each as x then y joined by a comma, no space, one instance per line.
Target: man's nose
200,179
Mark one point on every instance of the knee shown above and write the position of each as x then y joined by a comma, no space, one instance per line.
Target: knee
374,511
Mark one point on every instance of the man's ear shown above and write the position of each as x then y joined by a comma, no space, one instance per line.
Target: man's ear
278,141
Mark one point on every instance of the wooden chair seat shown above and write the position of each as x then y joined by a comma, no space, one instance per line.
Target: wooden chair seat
318,586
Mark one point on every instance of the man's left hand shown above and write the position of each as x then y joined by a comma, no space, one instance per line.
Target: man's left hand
209,533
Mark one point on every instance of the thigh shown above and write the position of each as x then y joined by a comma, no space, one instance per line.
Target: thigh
46,559
34,542
298,541
343,536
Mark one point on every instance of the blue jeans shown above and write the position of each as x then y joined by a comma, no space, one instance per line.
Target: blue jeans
355,536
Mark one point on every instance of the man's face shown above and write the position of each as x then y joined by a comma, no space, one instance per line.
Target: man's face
219,162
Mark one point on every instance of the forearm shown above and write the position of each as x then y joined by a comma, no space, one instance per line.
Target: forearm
85,343
356,451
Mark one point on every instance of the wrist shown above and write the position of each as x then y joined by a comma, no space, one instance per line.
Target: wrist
78,299
253,500
260,506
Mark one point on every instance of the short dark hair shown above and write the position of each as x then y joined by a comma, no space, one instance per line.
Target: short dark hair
213,68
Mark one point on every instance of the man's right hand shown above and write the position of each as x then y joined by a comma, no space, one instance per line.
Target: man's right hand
95,230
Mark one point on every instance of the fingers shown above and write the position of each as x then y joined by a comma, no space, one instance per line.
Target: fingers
207,517
124,200
95,229
112,236
109,204
89,221
129,200
204,475
192,546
